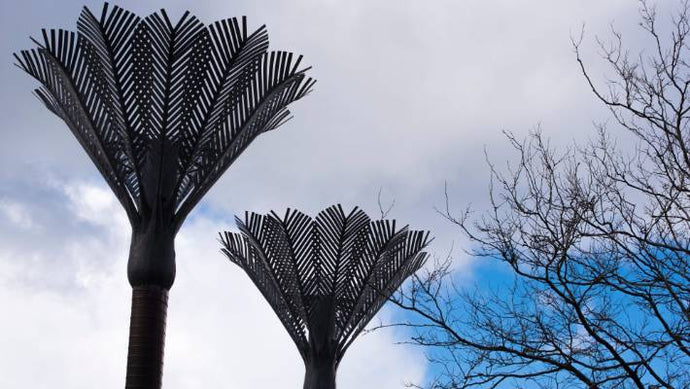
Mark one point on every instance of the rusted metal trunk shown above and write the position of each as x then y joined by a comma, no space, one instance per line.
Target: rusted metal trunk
146,337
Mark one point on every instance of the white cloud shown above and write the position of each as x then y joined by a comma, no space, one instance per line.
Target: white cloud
17,213
220,331
96,205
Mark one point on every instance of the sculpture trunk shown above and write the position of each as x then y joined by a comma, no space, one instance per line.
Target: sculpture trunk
320,374
151,272
152,254
146,337
321,363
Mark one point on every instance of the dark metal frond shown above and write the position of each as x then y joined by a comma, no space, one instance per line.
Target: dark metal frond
162,108
325,277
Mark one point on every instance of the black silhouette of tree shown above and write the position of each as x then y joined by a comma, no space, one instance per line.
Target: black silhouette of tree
162,109
325,277
597,240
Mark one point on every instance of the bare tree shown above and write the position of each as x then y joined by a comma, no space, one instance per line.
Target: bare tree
596,240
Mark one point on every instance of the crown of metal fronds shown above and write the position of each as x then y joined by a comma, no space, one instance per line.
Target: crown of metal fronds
163,108
325,277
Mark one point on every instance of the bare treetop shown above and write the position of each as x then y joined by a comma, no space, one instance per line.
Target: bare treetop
596,237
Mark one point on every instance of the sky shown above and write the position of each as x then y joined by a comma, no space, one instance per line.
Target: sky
411,96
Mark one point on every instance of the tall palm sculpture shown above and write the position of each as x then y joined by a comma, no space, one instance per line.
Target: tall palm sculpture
325,277
162,109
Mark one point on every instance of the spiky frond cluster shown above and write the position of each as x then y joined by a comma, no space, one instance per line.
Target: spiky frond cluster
163,108
338,268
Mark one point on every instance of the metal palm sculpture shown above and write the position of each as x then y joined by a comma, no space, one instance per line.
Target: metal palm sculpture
324,277
162,109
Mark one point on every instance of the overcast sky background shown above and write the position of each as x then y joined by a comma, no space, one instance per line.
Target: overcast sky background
409,95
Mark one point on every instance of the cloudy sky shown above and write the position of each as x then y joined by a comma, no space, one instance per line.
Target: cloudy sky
410,93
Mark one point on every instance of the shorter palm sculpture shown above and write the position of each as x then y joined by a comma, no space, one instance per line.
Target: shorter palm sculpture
325,277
